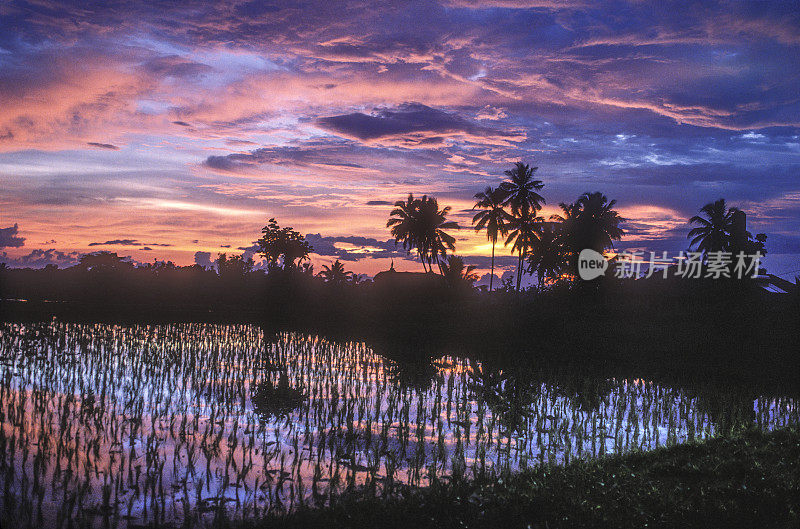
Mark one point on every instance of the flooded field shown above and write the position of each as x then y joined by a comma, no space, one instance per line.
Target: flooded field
114,426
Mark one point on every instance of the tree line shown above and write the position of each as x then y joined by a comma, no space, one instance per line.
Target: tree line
547,247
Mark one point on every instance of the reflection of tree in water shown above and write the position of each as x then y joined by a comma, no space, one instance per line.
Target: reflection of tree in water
727,410
416,375
509,395
276,400
587,392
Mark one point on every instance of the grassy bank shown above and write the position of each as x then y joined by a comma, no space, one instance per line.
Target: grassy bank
750,480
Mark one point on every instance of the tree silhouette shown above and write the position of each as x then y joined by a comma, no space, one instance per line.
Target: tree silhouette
457,274
547,257
723,228
335,273
235,266
567,233
589,222
104,261
714,230
524,228
283,245
419,223
598,224
493,218
521,189
521,196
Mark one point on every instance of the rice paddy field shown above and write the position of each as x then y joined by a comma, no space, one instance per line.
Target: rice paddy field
111,426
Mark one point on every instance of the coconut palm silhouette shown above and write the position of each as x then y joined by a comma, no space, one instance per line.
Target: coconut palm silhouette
523,230
521,196
335,273
419,223
546,256
521,189
714,227
457,274
493,218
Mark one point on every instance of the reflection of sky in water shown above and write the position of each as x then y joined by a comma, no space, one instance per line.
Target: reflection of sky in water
162,423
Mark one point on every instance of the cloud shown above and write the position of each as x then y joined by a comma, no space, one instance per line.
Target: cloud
175,66
127,242
354,248
203,259
116,242
319,153
40,258
9,237
414,120
103,145
635,99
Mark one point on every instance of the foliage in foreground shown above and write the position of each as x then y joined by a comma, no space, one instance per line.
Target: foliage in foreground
751,480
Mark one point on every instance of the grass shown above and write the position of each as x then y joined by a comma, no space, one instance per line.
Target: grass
748,480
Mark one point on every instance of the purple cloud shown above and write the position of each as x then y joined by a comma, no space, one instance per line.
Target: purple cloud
40,258
9,237
408,118
103,145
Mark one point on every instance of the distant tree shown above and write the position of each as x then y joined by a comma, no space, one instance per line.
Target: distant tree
590,222
359,279
335,273
493,218
567,233
404,224
723,228
283,247
419,223
104,261
456,273
523,230
598,224
521,196
159,266
436,240
715,225
521,189
547,257
235,266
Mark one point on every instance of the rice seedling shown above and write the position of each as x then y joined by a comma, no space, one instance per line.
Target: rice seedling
102,425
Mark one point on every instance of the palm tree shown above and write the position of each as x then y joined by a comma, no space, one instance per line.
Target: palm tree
524,228
419,223
335,274
590,222
547,257
403,223
521,189
597,222
713,232
567,232
521,195
493,218
456,273
434,239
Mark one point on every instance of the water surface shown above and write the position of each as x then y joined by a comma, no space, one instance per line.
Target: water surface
119,425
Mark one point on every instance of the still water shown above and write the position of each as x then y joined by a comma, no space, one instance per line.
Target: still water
117,426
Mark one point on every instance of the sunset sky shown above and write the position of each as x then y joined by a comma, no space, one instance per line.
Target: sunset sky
165,130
